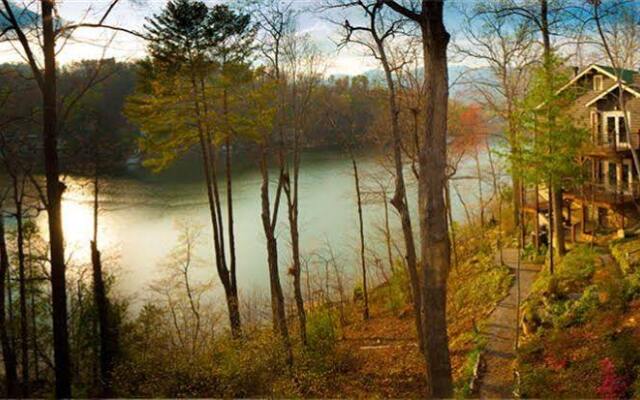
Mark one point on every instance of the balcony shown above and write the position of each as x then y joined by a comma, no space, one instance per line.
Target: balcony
606,194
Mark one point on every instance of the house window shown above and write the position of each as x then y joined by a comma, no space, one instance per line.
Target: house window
611,129
616,128
622,130
597,82
626,175
613,175
601,169
629,173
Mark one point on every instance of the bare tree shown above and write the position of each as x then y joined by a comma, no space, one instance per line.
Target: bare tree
377,34
46,32
276,20
303,68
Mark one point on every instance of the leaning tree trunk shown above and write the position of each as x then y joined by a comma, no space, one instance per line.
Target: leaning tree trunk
54,190
399,200
435,246
363,262
8,352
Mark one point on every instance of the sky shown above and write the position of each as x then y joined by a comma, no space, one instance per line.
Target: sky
90,43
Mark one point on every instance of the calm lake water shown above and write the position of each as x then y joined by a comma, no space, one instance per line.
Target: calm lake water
140,220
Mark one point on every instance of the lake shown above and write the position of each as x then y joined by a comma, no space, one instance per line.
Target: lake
141,216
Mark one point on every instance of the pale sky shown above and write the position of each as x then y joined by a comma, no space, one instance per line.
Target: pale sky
89,43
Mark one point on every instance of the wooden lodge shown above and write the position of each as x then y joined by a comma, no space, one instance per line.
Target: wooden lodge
609,198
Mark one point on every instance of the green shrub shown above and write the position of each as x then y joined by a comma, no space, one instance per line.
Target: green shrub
463,384
358,293
321,332
397,290
576,268
632,286
627,253
534,383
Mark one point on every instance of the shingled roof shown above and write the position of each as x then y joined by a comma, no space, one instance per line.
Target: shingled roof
628,76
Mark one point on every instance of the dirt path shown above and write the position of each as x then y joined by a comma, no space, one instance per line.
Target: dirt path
497,380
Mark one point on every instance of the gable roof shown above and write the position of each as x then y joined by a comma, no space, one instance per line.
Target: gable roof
610,89
627,76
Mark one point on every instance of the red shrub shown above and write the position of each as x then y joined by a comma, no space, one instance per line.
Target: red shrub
612,385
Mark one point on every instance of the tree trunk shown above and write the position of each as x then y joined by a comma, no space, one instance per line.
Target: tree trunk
555,190
400,203
54,190
268,223
297,284
556,193
18,192
435,246
8,353
517,200
233,306
387,230
105,329
34,320
365,290
480,193
234,314
291,191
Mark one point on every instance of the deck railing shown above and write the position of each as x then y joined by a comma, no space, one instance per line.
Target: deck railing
619,194
608,141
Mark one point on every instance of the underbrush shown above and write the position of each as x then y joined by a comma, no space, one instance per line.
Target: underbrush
254,366
157,361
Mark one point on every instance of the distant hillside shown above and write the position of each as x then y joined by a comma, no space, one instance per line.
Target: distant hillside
459,76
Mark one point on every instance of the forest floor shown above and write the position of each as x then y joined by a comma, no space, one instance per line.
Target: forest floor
500,355
387,361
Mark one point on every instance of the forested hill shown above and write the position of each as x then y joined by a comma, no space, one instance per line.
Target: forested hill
344,109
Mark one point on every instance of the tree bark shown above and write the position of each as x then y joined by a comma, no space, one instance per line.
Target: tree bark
432,180
8,352
54,189
435,246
